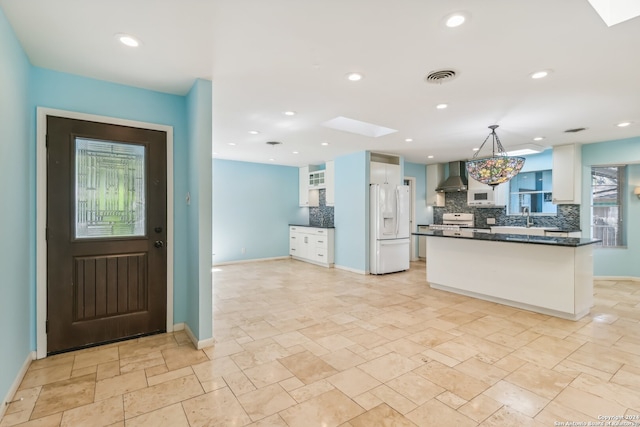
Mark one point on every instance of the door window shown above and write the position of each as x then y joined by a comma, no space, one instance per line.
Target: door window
110,189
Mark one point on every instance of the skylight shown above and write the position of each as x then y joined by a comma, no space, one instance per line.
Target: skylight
356,126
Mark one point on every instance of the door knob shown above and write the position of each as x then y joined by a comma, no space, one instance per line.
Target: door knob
158,243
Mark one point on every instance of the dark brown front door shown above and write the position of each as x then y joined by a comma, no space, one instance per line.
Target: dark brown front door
106,232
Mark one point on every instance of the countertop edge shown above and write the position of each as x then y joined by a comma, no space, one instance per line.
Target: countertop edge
518,238
311,226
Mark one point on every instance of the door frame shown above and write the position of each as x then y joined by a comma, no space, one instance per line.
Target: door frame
41,212
412,212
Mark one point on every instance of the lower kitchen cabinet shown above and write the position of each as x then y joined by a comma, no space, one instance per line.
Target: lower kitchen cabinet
311,244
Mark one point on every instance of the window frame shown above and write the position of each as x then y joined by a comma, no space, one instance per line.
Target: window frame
621,191
521,193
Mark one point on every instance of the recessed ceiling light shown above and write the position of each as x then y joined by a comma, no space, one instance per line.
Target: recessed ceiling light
128,40
441,106
324,143
231,143
538,138
295,152
429,157
289,113
476,149
408,140
455,20
354,77
623,124
271,160
540,74
254,132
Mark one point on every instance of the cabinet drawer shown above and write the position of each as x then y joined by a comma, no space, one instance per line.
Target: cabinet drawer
321,254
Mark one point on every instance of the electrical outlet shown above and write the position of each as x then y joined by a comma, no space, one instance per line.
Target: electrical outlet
491,221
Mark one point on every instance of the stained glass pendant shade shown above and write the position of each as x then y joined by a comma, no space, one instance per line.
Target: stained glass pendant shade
497,169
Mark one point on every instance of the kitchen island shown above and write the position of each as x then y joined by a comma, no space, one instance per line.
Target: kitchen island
549,275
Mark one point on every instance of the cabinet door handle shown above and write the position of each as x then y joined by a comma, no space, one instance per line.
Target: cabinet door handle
320,241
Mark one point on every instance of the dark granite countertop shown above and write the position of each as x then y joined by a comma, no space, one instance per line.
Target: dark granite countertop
313,226
513,238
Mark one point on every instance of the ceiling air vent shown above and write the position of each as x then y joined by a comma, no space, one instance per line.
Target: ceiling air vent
274,143
440,76
576,130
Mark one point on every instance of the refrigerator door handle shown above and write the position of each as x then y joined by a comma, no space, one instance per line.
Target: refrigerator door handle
397,210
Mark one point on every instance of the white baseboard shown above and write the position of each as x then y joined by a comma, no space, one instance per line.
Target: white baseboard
199,344
244,261
618,278
16,383
353,270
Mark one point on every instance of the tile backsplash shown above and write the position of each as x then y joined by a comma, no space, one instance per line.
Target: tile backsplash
322,215
567,218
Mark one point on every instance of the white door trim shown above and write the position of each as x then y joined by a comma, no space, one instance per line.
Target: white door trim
414,227
41,212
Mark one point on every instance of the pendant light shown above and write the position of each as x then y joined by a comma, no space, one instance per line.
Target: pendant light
497,169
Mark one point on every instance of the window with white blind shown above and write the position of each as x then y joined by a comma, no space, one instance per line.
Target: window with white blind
608,188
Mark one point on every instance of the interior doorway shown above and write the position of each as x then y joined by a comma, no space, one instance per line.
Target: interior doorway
411,182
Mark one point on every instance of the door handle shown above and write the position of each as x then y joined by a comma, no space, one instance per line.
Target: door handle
158,244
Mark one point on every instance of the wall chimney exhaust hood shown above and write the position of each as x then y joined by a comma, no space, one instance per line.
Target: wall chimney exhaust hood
457,180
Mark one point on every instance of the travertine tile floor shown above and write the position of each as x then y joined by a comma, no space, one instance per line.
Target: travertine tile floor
300,345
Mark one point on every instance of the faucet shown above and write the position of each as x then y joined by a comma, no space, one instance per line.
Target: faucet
527,211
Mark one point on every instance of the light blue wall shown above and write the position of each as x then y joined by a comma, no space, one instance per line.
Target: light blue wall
423,216
74,93
253,205
538,162
17,266
351,214
199,285
615,261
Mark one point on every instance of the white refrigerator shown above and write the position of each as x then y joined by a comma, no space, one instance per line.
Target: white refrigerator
389,228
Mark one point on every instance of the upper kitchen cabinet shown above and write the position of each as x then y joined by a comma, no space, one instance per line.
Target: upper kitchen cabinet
330,182
384,169
567,174
435,175
303,186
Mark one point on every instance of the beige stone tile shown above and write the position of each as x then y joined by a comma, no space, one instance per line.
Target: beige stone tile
368,401
439,357
164,394
268,373
574,369
218,408
96,357
266,401
48,421
480,408
46,375
389,366
452,400
141,362
307,367
455,381
597,357
291,384
63,395
24,400
431,337
541,381
222,349
482,371
272,421
381,416
238,383
290,339
509,363
433,412
306,392
102,413
394,399
179,357
353,382
415,387
456,350
328,409
517,398
172,415
108,370
587,403
17,418
170,375
507,416
537,357
334,342
391,332
214,384
555,412
216,368
260,352
625,396
84,371
116,386
405,347
628,376
51,361
342,359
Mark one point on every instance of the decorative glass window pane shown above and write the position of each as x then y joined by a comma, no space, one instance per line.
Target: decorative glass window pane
110,189
531,190
607,205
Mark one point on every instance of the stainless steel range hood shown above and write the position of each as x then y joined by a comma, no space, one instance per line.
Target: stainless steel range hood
457,180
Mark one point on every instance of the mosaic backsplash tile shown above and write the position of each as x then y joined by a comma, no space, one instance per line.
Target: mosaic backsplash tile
321,216
567,218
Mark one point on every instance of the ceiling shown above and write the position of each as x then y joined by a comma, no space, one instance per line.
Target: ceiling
266,57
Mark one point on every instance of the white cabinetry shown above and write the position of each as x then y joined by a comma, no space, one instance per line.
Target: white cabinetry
329,180
567,174
435,175
422,241
496,196
303,186
311,244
